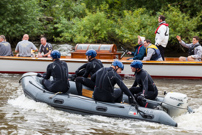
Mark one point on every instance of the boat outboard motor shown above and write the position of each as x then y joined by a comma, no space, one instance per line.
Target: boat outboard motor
175,103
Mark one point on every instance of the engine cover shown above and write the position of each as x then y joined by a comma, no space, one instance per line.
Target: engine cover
175,103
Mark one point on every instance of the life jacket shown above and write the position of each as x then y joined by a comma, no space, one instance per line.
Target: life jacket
160,26
191,50
157,54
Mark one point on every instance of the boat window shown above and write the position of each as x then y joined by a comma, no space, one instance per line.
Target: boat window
95,47
105,47
82,47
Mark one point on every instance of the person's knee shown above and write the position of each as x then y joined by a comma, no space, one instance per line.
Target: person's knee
79,79
190,58
182,58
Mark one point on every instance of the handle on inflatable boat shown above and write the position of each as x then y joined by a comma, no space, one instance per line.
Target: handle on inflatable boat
143,114
33,74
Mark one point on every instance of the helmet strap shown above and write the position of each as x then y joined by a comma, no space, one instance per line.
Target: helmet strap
138,70
90,59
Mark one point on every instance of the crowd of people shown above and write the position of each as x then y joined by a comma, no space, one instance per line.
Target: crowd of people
25,48
103,79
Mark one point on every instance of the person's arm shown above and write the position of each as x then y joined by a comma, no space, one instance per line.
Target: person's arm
150,52
184,44
50,49
144,80
122,86
17,48
88,69
48,72
47,53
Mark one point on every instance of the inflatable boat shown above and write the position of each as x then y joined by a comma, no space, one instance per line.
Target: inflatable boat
160,110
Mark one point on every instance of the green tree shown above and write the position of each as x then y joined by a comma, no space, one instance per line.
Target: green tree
19,17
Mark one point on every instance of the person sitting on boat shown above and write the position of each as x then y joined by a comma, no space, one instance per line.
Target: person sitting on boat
195,49
59,70
147,87
87,69
105,79
45,48
5,47
24,47
139,50
152,52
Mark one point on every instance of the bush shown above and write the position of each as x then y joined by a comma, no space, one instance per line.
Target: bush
93,28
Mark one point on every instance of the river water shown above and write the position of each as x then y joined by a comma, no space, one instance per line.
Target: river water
22,116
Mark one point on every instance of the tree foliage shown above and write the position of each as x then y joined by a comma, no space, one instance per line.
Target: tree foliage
99,21
19,17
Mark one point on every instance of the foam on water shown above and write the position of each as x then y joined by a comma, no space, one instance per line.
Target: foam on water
32,117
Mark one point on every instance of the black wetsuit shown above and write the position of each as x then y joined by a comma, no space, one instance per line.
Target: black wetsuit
89,68
59,70
146,84
104,90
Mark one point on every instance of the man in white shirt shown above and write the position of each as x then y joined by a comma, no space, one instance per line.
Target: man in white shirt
162,35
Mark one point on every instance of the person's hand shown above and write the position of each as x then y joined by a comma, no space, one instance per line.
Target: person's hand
129,52
132,100
129,59
39,75
178,38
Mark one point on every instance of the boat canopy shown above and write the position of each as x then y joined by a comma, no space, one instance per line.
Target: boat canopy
104,51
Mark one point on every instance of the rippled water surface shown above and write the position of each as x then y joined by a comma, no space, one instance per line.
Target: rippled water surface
22,116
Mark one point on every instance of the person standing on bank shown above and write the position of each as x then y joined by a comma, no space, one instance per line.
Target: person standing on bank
24,47
162,35
45,48
59,70
105,79
5,47
87,69
195,49
147,87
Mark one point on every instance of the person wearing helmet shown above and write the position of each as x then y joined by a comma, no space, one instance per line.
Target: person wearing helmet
87,69
146,88
59,71
105,79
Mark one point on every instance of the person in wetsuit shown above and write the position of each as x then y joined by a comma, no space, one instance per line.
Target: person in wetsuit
146,88
59,70
87,69
105,79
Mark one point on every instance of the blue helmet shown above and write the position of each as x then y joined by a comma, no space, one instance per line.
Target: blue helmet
118,63
91,53
136,64
55,54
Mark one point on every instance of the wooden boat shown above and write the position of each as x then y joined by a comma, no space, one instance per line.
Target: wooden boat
170,68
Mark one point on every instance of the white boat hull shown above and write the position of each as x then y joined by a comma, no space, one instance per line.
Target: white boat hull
164,69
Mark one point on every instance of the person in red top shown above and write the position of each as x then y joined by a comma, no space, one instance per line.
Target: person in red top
162,35
140,50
